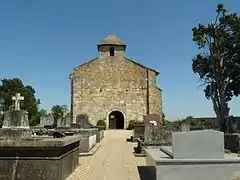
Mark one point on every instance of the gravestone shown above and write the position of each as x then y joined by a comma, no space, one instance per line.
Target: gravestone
68,120
64,121
82,119
13,119
46,120
138,129
153,128
185,127
204,144
16,118
153,135
15,123
194,155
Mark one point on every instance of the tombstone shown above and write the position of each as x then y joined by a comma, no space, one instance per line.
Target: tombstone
68,120
61,122
64,121
138,129
82,119
153,132
15,123
194,155
153,127
185,127
204,144
46,120
14,119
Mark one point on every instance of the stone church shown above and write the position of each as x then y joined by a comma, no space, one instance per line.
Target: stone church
114,88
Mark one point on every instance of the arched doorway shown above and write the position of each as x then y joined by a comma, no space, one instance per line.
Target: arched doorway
116,120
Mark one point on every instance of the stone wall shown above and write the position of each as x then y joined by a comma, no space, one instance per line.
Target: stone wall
113,83
155,95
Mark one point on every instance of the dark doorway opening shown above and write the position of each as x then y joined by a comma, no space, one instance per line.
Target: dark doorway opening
116,120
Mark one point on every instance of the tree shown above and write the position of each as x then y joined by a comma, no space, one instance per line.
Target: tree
218,63
9,87
59,111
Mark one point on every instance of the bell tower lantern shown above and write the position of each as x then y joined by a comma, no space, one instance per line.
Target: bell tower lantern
111,47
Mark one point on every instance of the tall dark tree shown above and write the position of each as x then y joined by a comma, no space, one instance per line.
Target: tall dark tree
218,62
9,87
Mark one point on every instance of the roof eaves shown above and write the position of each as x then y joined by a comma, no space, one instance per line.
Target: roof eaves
79,66
142,65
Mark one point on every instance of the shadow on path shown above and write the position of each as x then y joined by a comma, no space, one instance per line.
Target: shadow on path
147,172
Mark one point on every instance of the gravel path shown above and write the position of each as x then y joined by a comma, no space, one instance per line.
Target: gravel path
113,161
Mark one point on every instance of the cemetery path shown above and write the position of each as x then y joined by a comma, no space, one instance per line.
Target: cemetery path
114,160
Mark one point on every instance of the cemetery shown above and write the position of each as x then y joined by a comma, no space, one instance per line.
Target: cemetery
54,151
115,127
51,152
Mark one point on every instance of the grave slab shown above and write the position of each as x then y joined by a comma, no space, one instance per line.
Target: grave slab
165,167
204,144
39,158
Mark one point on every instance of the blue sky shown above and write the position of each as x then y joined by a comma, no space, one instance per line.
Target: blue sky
42,41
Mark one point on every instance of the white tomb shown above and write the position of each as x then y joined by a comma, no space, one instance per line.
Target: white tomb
194,155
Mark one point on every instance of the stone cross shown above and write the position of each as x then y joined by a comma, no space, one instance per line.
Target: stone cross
17,98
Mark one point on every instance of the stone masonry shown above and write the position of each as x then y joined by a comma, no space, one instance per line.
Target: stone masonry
113,82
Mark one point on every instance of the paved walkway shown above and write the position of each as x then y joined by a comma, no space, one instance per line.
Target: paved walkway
113,161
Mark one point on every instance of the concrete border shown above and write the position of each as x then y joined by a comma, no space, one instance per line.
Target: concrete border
92,151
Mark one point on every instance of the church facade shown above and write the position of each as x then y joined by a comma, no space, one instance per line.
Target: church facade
114,88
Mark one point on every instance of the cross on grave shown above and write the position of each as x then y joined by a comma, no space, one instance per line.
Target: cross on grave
17,98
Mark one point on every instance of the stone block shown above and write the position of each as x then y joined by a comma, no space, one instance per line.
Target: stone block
87,143
100,135
163,167
39,158
205,144
138,130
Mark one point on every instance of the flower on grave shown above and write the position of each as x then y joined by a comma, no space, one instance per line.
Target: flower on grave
154,123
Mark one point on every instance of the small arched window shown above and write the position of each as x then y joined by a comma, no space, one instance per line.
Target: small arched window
111,51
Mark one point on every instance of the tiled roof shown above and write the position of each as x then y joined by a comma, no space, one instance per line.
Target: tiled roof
112,40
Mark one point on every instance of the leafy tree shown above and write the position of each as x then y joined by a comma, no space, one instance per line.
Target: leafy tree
218,62
9,87
58,111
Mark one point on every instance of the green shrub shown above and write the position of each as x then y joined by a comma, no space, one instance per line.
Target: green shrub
130,125
101,123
